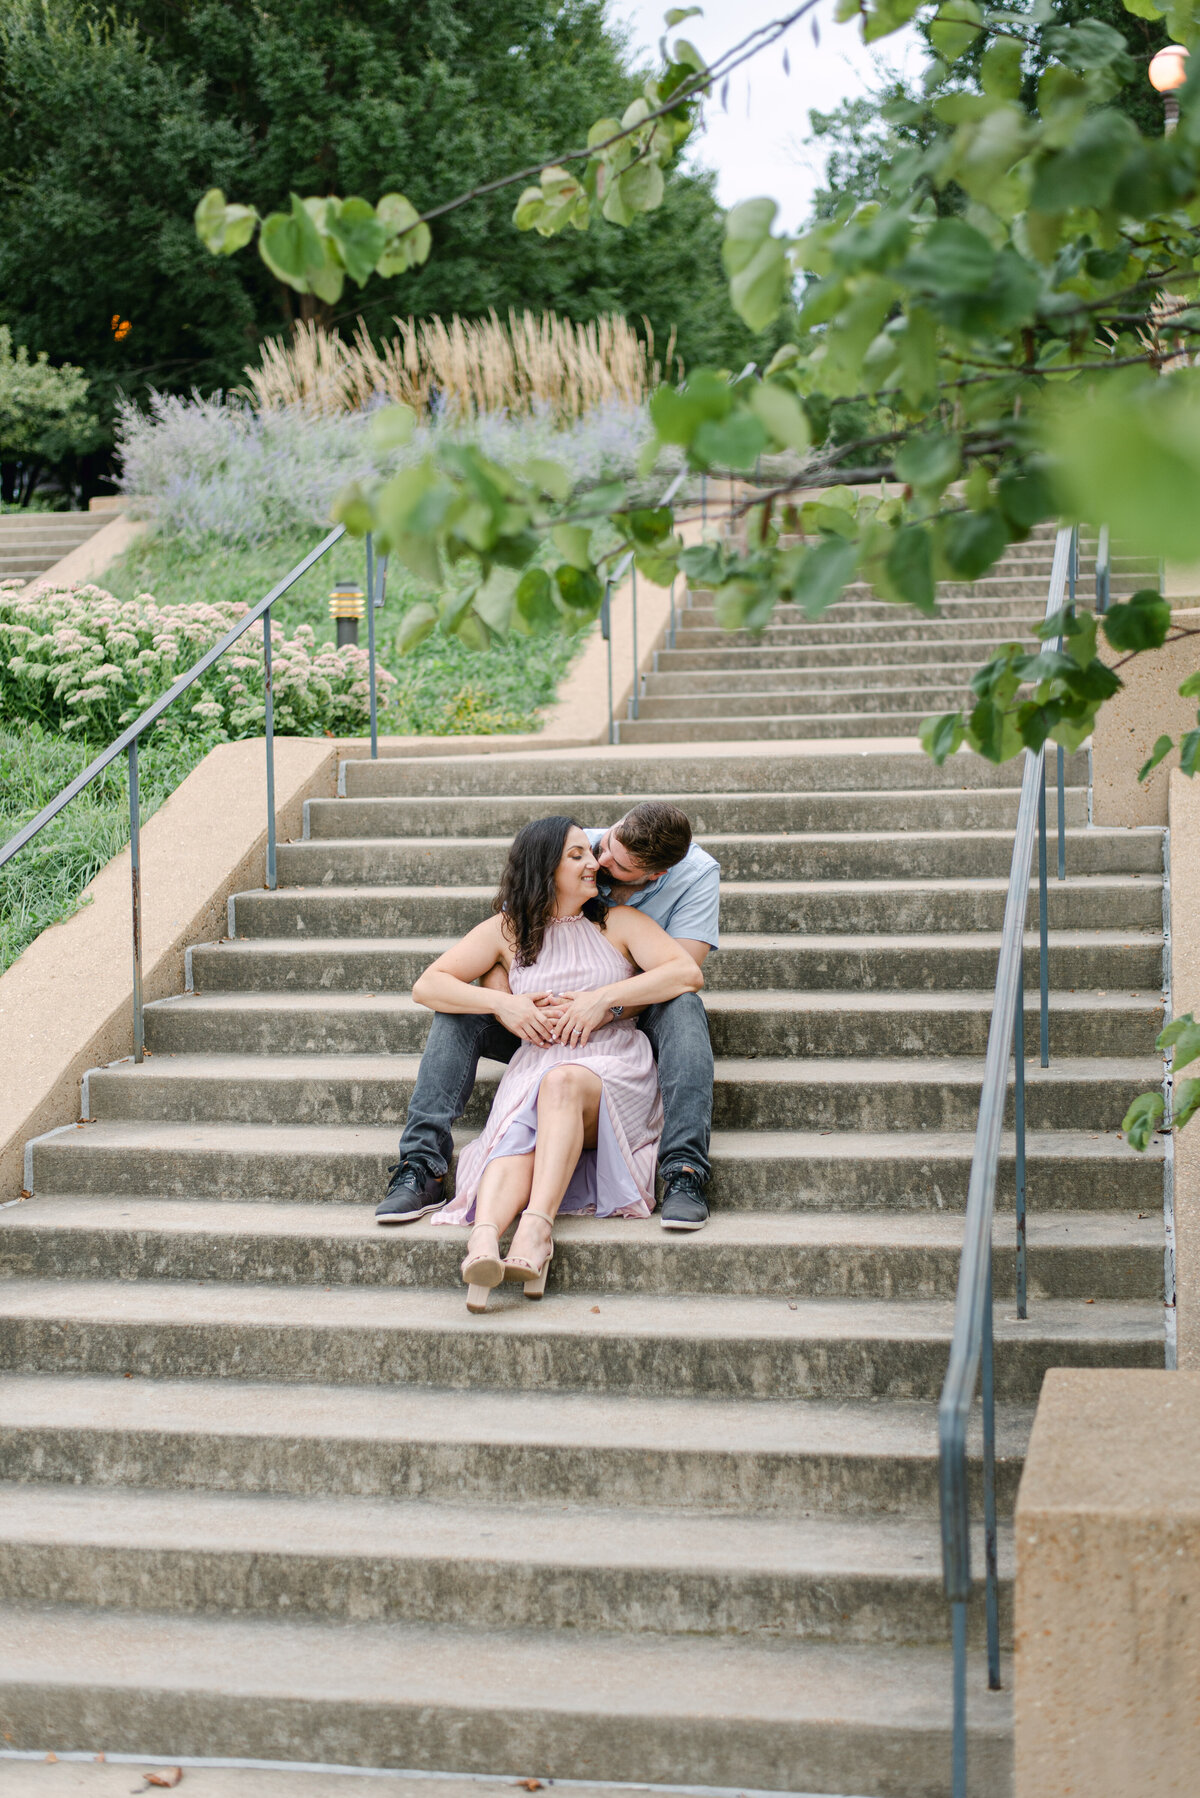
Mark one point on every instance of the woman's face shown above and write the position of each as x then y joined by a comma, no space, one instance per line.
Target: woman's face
575,876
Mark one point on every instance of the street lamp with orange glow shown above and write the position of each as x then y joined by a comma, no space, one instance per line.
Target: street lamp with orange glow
1168,71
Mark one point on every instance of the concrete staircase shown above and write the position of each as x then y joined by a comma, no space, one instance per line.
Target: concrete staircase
32,542
867,668
269,1491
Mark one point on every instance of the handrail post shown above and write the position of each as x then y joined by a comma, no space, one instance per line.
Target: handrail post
1062,817
1043,922
703,500
637,678
371,642
269,722
1019,1127
991,1566
606,633
1102,571
958,1629
135,894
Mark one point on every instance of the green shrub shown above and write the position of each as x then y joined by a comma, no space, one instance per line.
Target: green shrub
78,661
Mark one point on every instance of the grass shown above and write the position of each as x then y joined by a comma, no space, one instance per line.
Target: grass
443,688
42,885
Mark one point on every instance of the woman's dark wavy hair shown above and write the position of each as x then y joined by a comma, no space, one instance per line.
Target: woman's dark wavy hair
526,897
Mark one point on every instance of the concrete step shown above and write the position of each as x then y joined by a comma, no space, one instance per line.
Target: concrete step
771,1716
831,1254
1092,959
502,1567
741,1024
913,1093
785,729
798,633
715,1346
823,707
875,677
916,809
838,855
783,1170
610,773
696,1455
824,907
966,653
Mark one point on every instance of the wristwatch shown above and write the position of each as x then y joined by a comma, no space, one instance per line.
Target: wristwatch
616,1010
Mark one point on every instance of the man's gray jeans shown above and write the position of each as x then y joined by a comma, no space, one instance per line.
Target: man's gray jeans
678,1032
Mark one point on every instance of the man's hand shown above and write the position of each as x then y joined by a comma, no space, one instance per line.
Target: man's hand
581,1013
524,1015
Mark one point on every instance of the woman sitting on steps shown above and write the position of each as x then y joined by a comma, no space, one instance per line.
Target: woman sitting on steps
577,1116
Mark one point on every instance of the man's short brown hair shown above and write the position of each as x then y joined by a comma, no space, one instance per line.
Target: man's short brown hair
655,834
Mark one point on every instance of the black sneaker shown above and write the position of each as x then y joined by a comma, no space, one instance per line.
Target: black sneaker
684,1206
412,1193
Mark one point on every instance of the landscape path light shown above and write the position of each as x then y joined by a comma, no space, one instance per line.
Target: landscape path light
346,607
1168,71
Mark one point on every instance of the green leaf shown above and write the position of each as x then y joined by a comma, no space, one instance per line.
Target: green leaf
1163,746
782,414
580,589
1134,459
928,463
1189,749
733,442
1183,1035
1185,1099
1143,1118
1000,68
550,478
755,261
955,28
535,599
360,237
941,736
675,15
494,600
398,499
472,631
352,509
415,626
1089,44
822,574
573,543
223,228
641,185
651,525
1142,622
993,731
953,257
1025,499
291,246
391,428
972,541
747,227
1084,172
909,567
1144,9
1190,688
887,16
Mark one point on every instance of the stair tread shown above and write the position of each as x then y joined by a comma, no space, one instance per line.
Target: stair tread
122,1214
964,883
404,1666
800,1145
437,945
537,1535
653,1317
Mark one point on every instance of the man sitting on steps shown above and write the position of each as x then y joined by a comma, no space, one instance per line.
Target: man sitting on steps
647,859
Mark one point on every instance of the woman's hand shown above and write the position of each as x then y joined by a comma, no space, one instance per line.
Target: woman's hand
523,1014
580,1014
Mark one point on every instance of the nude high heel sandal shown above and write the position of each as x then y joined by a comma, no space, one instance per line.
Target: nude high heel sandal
481,1272
533,1279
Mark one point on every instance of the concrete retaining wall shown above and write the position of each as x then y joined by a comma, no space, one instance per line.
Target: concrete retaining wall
66,1003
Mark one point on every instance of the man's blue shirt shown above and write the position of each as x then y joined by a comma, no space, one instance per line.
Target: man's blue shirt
686,900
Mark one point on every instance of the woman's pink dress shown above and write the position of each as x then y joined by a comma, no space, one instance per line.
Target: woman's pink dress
616,1178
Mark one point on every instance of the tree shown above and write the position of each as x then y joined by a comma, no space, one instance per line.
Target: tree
45,418
168,99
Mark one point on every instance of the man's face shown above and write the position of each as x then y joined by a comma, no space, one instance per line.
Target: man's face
619,865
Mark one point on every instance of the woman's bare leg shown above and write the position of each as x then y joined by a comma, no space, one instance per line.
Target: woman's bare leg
568,1111
504,1190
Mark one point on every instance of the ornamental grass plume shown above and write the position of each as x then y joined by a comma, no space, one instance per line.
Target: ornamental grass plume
76,660
466,368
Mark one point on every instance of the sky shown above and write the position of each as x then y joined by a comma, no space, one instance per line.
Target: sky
759,146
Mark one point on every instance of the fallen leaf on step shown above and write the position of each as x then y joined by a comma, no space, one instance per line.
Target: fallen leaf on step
532,1785
596,1311
171,1777
52,1757
1089,1301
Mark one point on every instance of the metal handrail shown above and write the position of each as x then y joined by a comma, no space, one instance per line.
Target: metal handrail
127,743
614,579
971,1348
